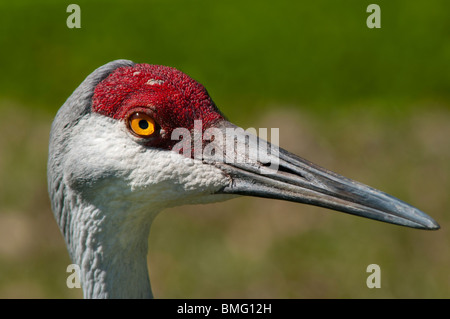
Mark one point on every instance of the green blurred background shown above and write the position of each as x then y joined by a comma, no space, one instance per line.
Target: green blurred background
371,104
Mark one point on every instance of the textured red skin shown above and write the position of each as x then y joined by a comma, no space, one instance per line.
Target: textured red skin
175,102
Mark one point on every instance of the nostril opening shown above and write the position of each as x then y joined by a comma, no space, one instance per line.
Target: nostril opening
287,170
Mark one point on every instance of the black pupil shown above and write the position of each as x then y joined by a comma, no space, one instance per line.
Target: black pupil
143,124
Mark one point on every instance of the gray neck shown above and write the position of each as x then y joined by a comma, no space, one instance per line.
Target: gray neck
111,253
107,238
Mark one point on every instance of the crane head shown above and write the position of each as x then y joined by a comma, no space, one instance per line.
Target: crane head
117,142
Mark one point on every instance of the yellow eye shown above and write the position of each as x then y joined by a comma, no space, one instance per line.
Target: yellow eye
141,124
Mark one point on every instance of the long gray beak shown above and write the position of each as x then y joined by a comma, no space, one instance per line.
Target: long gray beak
283,175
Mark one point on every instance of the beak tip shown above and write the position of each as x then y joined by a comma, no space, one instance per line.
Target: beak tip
433,225
427,223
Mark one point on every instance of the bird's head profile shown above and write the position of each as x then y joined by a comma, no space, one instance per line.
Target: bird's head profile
134,139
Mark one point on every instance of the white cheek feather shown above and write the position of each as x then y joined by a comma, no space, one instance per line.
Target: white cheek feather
116,186
113,159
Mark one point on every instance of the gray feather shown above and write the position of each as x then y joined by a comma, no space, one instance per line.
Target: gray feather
76,106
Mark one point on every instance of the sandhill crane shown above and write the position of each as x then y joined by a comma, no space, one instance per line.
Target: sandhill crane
114,164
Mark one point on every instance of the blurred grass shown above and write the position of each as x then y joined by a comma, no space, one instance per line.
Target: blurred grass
316,55
370,104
